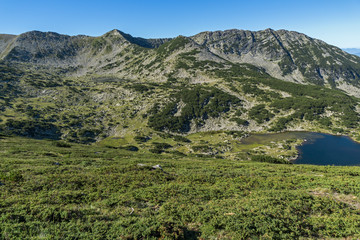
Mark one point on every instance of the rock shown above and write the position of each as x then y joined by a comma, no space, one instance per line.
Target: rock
157,167
153,167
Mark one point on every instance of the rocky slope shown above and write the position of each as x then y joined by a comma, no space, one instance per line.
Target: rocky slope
85,89
286,55
283,54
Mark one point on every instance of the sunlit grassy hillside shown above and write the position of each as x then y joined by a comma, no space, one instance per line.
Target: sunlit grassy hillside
57,190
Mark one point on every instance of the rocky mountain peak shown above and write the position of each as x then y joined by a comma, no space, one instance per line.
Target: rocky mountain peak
114,32
142,42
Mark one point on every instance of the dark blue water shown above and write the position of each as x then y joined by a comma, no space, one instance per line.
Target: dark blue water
325,149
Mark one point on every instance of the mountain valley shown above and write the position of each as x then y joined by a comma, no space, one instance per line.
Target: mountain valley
121,137
118,89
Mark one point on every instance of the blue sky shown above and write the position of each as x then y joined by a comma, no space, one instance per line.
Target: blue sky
335,22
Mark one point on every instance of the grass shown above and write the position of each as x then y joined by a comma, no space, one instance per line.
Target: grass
51,191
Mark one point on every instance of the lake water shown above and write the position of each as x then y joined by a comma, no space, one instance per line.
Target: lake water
325,149
318,148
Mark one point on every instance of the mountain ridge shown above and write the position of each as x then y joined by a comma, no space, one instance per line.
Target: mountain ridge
286,55
86,89
110,137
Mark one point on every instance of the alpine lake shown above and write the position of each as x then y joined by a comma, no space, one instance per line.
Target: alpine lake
317,148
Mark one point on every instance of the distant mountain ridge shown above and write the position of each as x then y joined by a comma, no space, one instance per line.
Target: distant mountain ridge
286,55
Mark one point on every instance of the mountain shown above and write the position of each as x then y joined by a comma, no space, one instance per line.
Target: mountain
285,55
355,51
86,89
164,128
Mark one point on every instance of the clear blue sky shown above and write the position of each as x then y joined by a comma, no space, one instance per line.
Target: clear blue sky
335,22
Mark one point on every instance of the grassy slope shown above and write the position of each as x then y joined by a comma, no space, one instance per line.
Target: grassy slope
52,192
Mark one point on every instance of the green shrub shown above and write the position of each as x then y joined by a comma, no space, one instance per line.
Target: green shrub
62,144
162,145
131,148
140,87
141,139
31,128
200,104
264,158
260,114
281,123
12,176
156,150
201,148
181,139
240,122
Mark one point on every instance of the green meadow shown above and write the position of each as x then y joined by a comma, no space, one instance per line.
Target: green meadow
57,190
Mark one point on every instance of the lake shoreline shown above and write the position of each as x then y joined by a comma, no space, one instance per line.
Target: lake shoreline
273,144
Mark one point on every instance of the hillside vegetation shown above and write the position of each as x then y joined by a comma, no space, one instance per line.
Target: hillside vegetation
120,137
56,190
87,89
42,104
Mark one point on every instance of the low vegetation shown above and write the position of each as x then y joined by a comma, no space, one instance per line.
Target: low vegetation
197,104
55,191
